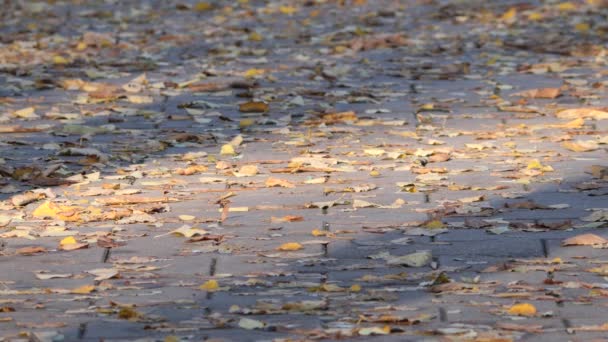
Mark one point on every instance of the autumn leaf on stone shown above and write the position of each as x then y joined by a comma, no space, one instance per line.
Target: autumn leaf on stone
210,286
540,93
254,107
251,324
290,246
69,244
584,240
186,231
85,289
31,250
370,331
581,145
583,113
523,309
246,171
52,210
191,170
340,117
103,273
287,218
276,182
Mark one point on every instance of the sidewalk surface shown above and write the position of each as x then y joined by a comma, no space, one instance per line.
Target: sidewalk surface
303,170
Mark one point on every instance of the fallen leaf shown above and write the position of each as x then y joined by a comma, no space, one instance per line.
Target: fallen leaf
287,218
584,240
370,331
103,273
523,309
246,171
30,250
581,145
227,150
290,246
541,93
251,324
583,113
210,285
85,289
254,107
186,231
272,182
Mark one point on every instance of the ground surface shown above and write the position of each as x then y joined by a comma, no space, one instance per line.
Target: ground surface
300,170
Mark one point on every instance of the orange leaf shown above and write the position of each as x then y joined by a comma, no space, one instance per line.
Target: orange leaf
523,309
290,246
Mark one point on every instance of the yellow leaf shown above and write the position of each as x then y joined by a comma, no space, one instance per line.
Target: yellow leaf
85,289
374,173
582,27
246,123
49,209
355,288
256,37
434,224
60,60
536,165
203,6
534,16
253,72
289,10
566,6
254,107
509,15
227,149
290,246
128,313
68,241
523,309
210,285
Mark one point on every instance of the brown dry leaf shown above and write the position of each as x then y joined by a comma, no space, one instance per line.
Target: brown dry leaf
584,240
254,107
340,117
540,93
30,250
272,182
191,170
378,41
27,198
581,145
